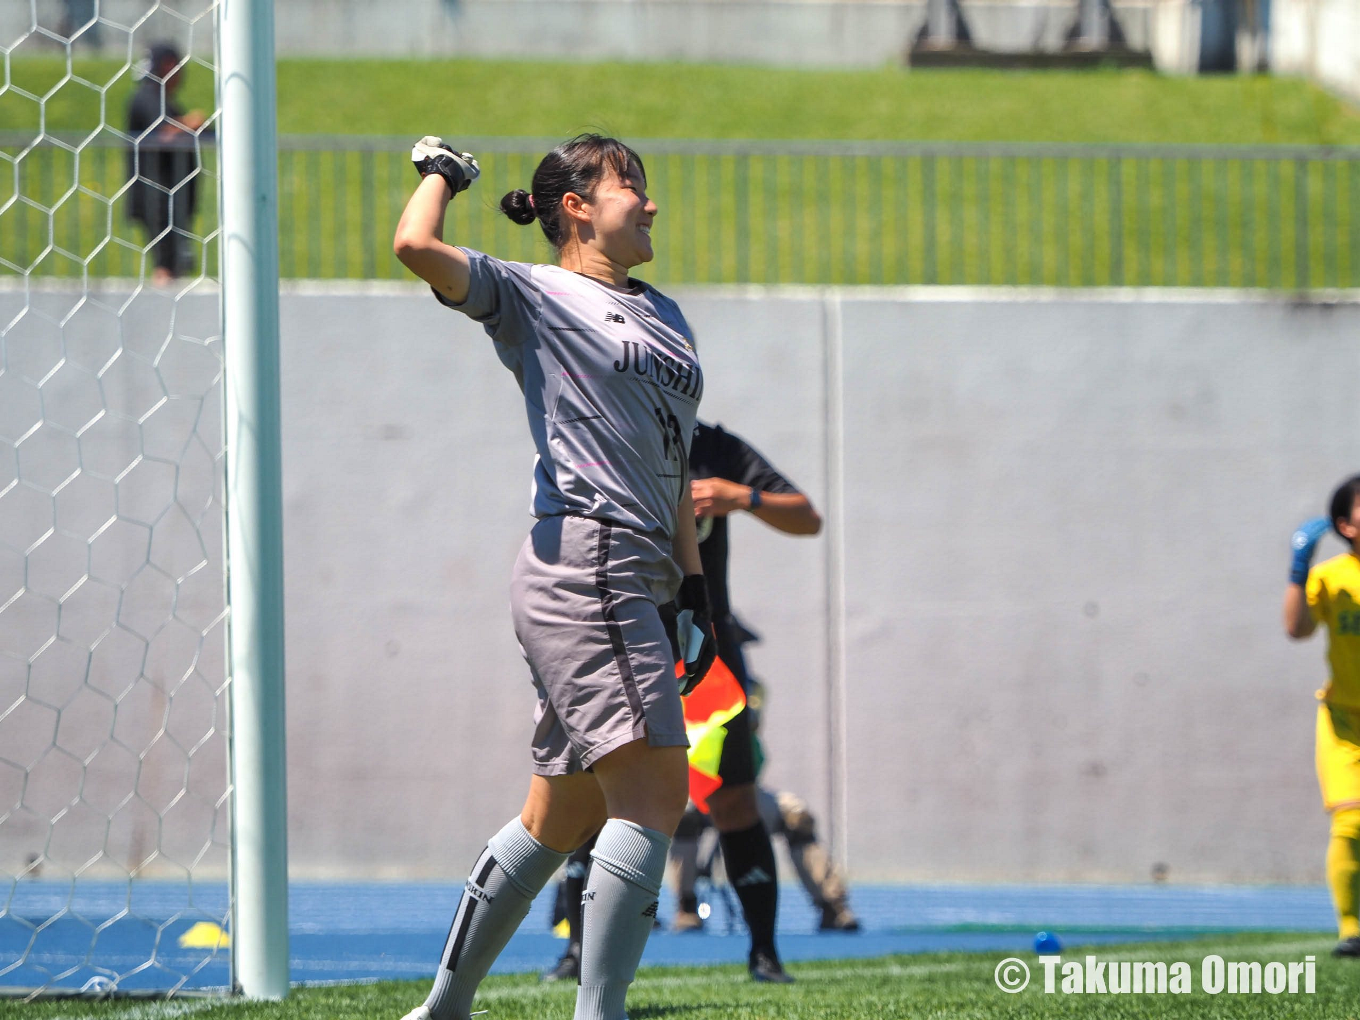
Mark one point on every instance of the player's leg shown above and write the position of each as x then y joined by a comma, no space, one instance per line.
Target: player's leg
1338,766
816,870
565,804
645,788
160,235
1343,877
748,854
614,688
559,813
685,867
568,966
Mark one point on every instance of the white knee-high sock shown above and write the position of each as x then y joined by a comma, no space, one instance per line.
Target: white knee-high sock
618,909
504,881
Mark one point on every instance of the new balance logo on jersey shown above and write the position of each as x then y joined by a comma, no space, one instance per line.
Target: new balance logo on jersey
651,910
756,876
613,317
588,896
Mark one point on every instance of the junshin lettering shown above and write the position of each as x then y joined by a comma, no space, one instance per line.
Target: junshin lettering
663,370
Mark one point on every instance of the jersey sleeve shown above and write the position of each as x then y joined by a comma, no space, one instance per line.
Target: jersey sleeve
502,296
742,462
1319,600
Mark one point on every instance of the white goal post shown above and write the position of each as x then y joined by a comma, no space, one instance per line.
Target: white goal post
143,823
250,321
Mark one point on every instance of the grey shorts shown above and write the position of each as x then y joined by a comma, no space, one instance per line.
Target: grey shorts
584,599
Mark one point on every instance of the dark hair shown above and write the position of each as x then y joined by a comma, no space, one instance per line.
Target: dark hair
160,54
578,165
1343,503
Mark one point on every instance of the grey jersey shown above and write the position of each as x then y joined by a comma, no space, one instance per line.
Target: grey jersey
611,386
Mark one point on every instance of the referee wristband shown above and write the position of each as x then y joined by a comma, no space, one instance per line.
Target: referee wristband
755,500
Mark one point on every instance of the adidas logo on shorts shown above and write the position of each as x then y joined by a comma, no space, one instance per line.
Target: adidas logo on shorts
651,910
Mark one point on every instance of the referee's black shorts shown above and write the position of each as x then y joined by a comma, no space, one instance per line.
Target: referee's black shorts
738,762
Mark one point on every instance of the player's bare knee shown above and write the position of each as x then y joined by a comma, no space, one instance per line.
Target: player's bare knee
644,784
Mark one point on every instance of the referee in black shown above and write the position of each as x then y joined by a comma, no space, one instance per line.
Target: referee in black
728,476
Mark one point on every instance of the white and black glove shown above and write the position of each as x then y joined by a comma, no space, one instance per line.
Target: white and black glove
432,155
694,631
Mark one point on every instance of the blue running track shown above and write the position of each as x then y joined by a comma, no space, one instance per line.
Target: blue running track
367,931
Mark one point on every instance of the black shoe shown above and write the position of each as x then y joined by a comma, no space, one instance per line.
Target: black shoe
838,919
567,969
765,966
1348,947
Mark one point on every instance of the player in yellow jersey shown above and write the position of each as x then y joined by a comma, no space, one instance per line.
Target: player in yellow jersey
1330,594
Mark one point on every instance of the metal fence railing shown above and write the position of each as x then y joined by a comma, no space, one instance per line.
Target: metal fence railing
802,213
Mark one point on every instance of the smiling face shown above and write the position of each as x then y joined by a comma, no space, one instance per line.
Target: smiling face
620,218
1349,526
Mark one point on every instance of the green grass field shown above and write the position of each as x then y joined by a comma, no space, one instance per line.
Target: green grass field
958,986
518,98
1070,218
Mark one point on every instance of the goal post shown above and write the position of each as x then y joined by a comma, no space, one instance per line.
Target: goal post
143,838
250,329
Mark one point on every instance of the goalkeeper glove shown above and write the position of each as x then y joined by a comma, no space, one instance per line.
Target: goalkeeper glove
432,155
1304,542
694,631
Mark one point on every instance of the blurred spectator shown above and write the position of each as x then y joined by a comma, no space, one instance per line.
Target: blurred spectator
75,15
163,160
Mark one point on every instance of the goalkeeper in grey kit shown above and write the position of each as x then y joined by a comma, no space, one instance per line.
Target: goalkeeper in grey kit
611,386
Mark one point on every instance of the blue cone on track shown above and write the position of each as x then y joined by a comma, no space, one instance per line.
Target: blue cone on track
1046,943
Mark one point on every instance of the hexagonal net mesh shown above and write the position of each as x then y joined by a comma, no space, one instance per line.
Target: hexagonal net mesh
114,792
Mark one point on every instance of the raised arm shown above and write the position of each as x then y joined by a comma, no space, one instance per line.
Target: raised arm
419,241
1298,618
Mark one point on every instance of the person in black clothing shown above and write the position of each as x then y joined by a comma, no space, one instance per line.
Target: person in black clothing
728,476
163,161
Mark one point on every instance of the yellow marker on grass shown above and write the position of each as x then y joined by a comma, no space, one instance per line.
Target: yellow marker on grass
205,935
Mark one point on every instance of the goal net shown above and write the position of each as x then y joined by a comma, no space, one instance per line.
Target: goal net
114,788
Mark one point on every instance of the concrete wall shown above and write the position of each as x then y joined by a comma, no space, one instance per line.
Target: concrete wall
847,33
112,710
1320,39
1039,639
1059,524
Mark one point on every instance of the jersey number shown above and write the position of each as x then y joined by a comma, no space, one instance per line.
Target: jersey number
673,441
